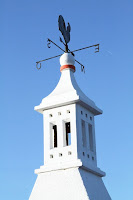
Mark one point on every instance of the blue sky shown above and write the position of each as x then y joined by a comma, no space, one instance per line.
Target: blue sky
108,81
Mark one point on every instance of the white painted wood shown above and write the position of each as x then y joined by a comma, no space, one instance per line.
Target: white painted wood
67,91
69,172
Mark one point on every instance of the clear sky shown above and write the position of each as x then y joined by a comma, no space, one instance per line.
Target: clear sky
108,81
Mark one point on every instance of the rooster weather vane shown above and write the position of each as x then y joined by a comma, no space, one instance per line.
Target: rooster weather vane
66,35
65,31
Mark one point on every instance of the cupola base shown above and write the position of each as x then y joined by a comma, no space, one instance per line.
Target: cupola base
70,184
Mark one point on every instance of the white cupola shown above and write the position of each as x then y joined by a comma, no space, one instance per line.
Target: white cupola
70,169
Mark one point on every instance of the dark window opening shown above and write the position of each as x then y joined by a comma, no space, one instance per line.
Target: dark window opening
91,142
68,133
83,133
55,135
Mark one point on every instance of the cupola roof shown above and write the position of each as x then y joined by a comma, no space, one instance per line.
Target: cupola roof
67,90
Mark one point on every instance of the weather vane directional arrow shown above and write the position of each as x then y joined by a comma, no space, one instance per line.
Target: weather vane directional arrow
66,35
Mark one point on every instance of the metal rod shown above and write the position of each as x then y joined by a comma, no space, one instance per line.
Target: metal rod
86,47
55,44
60,47
78,62
56,57
82,66
76,49
48,58
52,58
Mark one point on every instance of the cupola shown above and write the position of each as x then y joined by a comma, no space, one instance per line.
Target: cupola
69,132
70,170
70,162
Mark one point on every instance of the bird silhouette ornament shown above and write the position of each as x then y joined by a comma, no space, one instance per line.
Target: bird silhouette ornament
66,35
65,31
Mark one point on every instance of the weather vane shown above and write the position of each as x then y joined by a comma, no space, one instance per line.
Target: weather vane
66,35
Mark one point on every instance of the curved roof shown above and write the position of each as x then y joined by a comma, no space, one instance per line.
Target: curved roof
67,91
